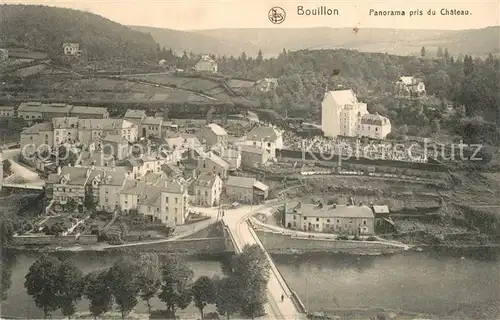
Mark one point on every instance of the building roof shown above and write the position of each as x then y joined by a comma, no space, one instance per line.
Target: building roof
329,211
88,110
263,132
171,169
34,106
87,159
133,186
344,97
409,80
206,180
216,129
172,186
150,197
39,127
76,176
216,159
252,149
374,119
115,138
135,114
261,186
152,121
65,123
380,209
7,108
115,177
242,182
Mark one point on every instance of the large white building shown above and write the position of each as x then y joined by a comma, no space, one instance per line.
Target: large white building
342,114
375,126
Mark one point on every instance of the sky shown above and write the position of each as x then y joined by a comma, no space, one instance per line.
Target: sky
214,14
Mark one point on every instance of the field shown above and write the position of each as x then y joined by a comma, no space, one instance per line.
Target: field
111,90
196,84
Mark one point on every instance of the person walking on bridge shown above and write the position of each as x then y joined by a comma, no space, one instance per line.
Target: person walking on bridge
282,298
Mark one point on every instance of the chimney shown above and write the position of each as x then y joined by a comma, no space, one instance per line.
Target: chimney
87,173
334,206
299,205
360,203
351,201
320,205
59,170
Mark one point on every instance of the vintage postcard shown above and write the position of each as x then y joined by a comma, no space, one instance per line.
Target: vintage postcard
260,159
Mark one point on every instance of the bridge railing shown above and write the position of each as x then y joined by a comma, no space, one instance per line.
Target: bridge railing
277,273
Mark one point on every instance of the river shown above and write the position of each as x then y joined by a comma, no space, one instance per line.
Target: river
431,282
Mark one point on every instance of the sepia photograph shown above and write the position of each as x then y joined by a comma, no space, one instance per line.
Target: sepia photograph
233,159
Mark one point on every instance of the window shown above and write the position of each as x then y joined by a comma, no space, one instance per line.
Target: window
176,200
166,199
305,218
364,222
204,165
294,217
338,221
327,220
206,193
175,210
269,144
317,219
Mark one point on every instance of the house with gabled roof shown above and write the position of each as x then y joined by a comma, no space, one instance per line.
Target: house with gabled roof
409,86
206,190
213,134
269,138
206,64
135,116
246,190
209,162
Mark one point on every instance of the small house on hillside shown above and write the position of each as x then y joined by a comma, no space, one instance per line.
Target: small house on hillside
410,87
206,64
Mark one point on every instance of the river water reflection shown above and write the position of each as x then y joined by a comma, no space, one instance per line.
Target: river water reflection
431,282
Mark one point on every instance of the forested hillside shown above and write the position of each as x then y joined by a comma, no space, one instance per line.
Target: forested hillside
45,29
471,85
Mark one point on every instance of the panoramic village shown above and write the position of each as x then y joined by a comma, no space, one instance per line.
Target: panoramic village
178,158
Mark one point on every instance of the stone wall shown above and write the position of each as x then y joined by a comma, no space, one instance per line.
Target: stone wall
204,245
279,243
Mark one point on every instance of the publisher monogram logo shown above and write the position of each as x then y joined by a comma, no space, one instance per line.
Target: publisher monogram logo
277,15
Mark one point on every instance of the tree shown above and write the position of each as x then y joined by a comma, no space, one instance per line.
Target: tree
446,55
56,229
89,200
176,282
227,301
251,270
149,277
42,284
6,167
439,52
98,291
6,229
70,287
259,57
204,293
8,262
422,52
124,284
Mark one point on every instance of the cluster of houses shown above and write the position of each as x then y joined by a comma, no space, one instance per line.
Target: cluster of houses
351,218
145,164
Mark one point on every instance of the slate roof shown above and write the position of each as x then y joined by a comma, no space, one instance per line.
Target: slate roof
263,132
135,114
328,211
38,127
218,130
344,97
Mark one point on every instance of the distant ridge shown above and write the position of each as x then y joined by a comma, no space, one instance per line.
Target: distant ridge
478,42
